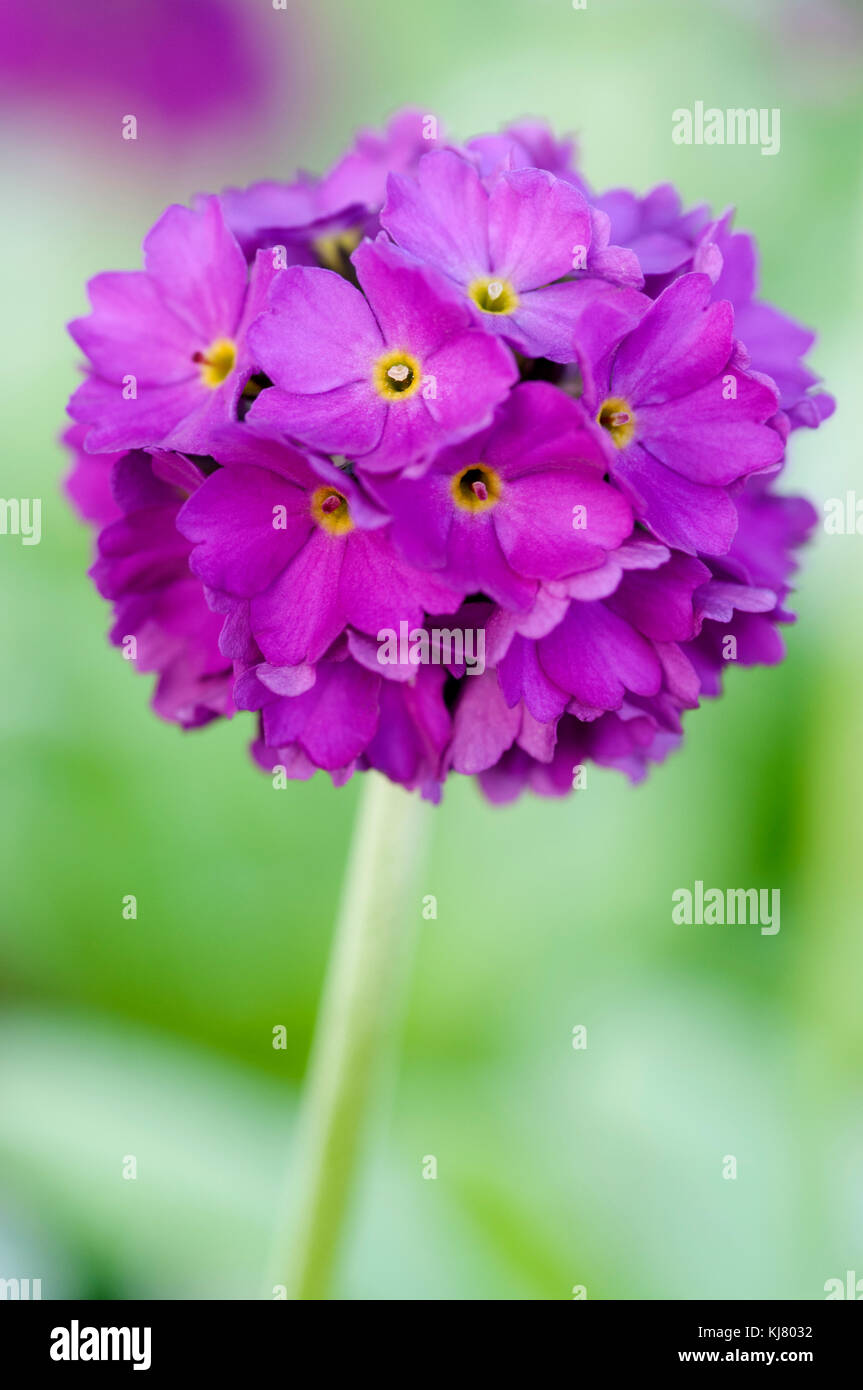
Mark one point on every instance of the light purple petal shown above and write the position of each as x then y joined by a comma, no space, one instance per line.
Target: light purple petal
415,307
536,226
318,333
682,342
300,615
131,331
711,437
347,420
597,657
534,522
134,424
441,215
199,268
238,550
483,725
685,515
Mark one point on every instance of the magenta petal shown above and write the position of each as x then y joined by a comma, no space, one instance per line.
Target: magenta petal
710,437
483,725
131,331
422,516
597,656
441,215
535,522
618,264
776,344
333,721
269,204
199,268
377,589
522,678
538,428
577,320
151,418
345,715
261,276
537,227
537,737
360,175
239,551
239,444
286,680
299,616
139,552
414,730
410,437
719,601
545,322
476,561
318,333
367,650
680,676
685,515
682,342
660,603
347,420
415,307
88,483
472,374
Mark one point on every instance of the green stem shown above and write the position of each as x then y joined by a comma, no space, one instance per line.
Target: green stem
378,918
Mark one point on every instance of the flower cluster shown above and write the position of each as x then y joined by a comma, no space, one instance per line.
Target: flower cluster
442,462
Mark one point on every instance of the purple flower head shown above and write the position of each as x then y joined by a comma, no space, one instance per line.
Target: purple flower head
360,176
670,242
161,617
523,501
775,343
526,145
684,419
304,546
88,482
657,229
516,251
385,374
273,213
350,718
479,480
320,221
167,345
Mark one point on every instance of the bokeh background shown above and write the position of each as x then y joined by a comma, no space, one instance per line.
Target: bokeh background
153,1037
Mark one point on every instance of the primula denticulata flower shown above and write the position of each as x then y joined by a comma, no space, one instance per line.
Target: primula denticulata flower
442,462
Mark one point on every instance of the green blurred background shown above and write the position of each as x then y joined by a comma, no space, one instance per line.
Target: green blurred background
153,1037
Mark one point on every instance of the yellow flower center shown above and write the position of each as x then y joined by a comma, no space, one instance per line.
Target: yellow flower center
331,511
476,488
617,416
493,296
333,251
217,362
397,375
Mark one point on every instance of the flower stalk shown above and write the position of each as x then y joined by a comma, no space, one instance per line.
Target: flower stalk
357,1024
